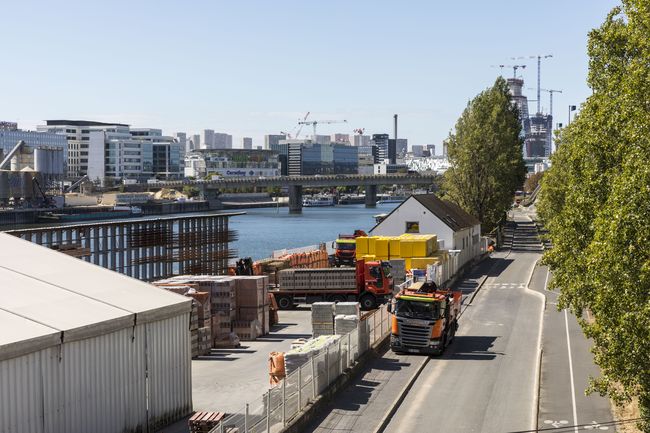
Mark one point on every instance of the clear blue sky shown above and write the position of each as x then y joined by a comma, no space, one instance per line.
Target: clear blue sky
253,67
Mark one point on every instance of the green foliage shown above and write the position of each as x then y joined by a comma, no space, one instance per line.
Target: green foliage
487,166
532,181
595,202
190,191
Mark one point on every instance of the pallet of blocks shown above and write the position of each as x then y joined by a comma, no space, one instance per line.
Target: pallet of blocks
322,318
203,422
194,329
252,301
247,330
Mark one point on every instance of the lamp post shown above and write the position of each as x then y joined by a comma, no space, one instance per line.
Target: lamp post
571,108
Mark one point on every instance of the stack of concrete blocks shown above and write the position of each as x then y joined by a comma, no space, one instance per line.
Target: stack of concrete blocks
322,318
318,279
204,316
194,329
346,320
252,300
398,271
324,350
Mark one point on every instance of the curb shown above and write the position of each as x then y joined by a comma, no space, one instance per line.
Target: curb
400,398
538,376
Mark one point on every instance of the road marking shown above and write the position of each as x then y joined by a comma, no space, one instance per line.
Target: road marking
573,387
556,424
538,358
594,425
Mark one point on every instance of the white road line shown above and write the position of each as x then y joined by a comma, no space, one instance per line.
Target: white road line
538,357
573,387
546,280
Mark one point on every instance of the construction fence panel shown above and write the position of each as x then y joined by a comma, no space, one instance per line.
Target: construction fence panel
278,406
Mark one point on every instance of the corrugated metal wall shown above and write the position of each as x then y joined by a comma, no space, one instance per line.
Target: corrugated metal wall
99,384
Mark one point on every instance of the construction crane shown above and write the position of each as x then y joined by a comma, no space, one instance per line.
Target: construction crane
359,131
296,130
300,124
539,73
550,92
514,68
313,123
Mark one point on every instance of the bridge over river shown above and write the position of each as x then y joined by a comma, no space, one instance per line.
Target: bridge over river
210,189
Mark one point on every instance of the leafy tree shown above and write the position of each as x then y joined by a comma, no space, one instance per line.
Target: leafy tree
484,152
532,181
595,201
190,191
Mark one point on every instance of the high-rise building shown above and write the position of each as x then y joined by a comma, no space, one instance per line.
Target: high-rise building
401,146
195,142
444,148
181,138
305,157
538,140
341,138
207,139
321,139
432,149
247,143
417,150
381,141
273,139
222,141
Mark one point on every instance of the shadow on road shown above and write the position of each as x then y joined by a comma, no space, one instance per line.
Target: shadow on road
474,348
498,265
389,364
281,337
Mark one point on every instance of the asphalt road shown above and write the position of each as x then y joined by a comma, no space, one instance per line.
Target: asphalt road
486,382
566,367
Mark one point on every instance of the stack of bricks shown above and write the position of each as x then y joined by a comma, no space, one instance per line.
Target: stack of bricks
252,302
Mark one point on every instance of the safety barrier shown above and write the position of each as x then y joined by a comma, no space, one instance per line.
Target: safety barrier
272,411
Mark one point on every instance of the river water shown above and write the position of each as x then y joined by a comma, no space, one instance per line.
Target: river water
264,230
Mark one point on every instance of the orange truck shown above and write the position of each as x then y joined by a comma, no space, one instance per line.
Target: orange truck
345,247
424,320
369,282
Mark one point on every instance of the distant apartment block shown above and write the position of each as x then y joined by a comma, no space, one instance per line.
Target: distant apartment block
432,149
246,143
273,139
340,138
208,163
305,157
215,140
360,140
417,150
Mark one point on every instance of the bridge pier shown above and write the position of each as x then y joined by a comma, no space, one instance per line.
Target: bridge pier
295,198
371,195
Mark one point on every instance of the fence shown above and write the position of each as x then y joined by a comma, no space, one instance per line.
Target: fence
271,412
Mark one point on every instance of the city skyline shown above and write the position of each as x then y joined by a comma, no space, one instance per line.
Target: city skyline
423,68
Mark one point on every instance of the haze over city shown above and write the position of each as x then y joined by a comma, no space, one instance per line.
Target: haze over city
254,68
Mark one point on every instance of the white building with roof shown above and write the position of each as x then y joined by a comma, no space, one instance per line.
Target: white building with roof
85,349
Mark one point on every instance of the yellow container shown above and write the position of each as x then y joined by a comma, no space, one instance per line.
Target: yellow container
381,246
422,262
382,258
406,248
407,263
369,257
394,249
419,248
362,245
371,244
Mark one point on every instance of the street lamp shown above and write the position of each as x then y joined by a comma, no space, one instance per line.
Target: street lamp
571,108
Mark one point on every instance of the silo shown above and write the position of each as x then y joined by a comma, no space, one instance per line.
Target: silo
40,159
15,184
4,187
27,184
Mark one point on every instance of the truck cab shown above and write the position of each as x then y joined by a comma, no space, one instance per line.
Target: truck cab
345,251
424,321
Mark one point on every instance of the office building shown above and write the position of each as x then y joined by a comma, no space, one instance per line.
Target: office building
77,134
401,147
360,140
305,157
321,139
417,150
538,141
273,139
381,141
432,149
207,139
246,143
181,139
209,163
195,142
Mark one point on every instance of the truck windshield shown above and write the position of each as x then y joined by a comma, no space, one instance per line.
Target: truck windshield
386,267
345,246
417,310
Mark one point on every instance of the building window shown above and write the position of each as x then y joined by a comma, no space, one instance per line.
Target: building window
412,227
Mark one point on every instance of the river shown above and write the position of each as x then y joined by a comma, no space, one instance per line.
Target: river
264,230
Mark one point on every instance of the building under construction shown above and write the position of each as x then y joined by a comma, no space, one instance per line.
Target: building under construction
536,130
146,249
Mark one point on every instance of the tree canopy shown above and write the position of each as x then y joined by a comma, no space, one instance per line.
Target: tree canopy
595,201
485,154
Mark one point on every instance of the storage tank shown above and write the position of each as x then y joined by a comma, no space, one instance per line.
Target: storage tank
41,160
4,187
15,184
27,184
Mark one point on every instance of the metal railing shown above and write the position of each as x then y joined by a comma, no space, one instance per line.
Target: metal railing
272,411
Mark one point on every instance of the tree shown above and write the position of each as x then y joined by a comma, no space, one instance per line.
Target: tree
595,202
484,152
532,181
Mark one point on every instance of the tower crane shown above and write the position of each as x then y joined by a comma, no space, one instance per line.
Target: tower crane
514,68
301,123
313,123
539,73
550,92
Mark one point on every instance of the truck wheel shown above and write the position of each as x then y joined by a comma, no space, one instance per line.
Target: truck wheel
284,302
368,302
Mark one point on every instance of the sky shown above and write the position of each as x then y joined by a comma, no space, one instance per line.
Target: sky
255,67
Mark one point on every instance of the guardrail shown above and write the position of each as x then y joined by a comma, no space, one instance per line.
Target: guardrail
272,411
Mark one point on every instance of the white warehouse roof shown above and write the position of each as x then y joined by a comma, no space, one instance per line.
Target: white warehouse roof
47,297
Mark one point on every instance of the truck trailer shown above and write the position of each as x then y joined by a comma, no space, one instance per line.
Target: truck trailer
369,283
424,320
